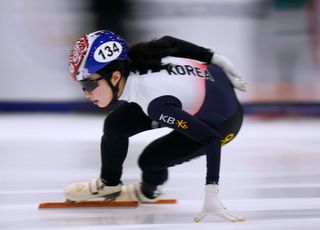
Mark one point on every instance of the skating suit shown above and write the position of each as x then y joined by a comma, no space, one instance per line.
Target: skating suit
190,97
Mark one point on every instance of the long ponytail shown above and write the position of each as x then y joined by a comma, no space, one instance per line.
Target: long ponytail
146,56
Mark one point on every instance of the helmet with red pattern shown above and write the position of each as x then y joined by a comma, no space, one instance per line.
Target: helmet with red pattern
94,51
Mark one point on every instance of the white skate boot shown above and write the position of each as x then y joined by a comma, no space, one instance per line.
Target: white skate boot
91,189
132,192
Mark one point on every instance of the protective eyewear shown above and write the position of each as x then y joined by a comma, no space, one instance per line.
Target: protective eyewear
89,85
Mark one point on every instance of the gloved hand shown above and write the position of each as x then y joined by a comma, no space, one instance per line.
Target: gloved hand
212,204
230,71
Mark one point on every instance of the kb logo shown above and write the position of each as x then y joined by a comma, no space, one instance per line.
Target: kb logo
172,121
167,119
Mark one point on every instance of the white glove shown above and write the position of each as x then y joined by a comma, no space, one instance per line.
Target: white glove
230,71
212,204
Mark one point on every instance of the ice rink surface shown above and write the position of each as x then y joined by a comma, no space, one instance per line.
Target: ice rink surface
270,174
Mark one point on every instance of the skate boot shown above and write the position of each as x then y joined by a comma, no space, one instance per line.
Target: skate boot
128,193
91,189
148,193
133,192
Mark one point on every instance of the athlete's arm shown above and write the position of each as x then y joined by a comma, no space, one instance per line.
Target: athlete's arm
124,122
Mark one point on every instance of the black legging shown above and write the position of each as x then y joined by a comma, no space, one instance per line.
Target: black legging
175,148
167,151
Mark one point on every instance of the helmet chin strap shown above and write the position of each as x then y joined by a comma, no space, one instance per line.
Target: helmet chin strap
114,102
106,73
114,88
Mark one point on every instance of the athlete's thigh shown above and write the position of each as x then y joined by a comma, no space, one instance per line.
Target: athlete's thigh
173,148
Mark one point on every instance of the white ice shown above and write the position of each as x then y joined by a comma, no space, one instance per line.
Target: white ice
270,174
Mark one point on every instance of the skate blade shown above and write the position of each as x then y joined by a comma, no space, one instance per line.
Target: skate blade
164,201
88,204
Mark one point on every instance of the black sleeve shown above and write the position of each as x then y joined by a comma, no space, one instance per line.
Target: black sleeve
167,110
125,121
186,49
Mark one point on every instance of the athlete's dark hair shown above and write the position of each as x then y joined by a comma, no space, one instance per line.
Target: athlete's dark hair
146,56
122,66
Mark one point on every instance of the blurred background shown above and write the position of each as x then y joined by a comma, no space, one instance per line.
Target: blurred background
275,44
50,134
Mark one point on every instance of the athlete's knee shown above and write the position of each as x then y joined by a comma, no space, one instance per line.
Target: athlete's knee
148,162
145,162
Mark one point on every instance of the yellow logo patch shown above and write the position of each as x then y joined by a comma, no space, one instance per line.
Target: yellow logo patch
182,124
227,139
